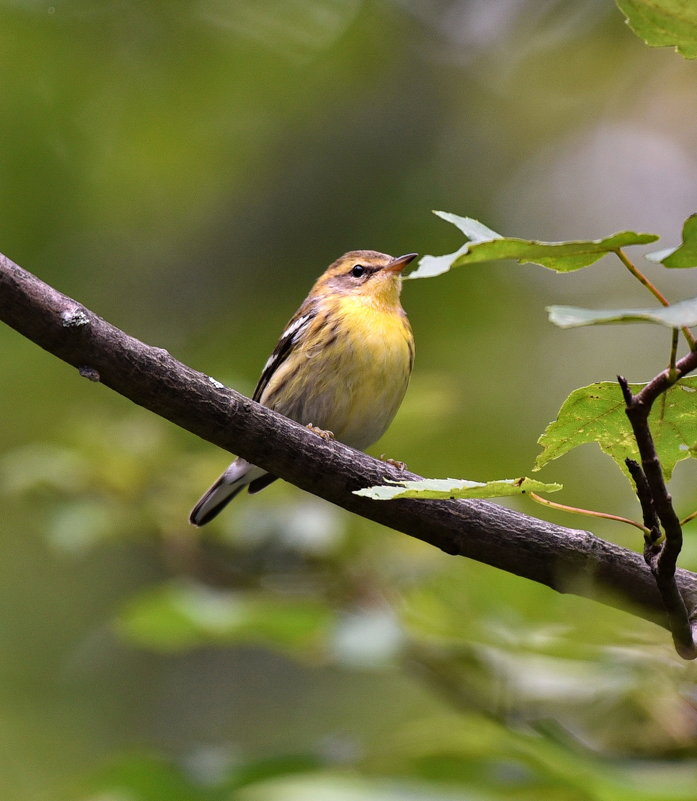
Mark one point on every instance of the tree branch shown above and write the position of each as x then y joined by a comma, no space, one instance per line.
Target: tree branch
564,559
657,506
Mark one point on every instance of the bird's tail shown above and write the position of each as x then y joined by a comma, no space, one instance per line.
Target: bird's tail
238,475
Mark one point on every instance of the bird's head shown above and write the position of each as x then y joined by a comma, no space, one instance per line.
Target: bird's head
366,274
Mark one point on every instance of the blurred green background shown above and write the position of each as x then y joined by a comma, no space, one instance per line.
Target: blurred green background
186,169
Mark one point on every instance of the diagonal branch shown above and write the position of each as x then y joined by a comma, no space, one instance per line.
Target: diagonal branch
564,559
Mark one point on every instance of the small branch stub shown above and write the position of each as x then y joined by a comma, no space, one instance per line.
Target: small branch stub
89,373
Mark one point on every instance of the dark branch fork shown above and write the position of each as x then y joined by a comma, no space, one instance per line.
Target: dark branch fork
564,559
657,506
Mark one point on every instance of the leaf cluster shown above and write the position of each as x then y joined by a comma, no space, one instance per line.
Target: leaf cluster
590,414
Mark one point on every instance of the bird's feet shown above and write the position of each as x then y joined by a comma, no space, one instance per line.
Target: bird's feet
320,432
394,462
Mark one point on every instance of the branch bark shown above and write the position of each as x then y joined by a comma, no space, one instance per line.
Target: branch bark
567,560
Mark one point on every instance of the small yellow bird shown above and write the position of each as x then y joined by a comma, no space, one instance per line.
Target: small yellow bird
341,366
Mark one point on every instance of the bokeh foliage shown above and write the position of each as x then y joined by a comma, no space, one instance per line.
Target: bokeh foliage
186,169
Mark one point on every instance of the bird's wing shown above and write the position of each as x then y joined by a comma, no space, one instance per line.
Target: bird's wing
295,330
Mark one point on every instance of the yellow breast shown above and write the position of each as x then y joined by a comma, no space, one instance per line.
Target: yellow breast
366,371
353,384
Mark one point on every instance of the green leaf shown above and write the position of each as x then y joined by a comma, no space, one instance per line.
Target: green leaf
181,615
453,488
677,315
685,255
596,414
486,245
664,23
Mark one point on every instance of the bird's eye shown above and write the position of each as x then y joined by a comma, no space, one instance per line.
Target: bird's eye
357,270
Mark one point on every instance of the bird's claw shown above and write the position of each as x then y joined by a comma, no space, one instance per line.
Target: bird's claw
393,462
320,431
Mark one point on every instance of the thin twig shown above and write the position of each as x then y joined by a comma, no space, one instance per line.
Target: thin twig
575,510
689,517
653,535
653,289
651,521
673,355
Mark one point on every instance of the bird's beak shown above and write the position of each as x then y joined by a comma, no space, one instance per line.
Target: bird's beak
398,264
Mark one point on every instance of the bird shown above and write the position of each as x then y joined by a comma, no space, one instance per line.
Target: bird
341,366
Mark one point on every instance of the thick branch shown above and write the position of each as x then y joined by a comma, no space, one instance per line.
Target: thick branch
564,559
